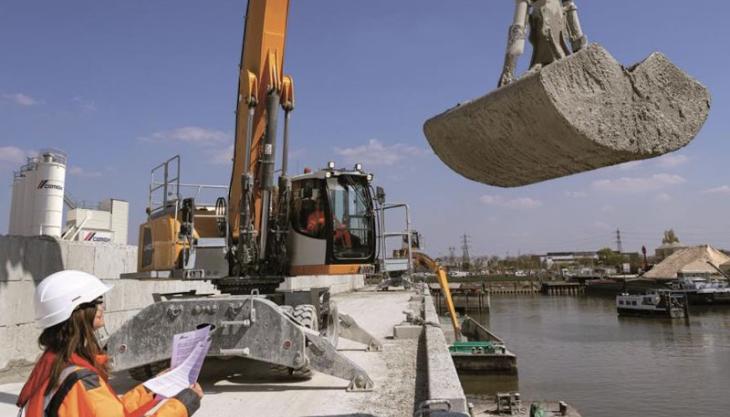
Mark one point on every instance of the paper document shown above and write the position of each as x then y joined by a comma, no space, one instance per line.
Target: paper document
184,343
189,351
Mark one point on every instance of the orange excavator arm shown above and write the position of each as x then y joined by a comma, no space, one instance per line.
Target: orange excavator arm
261,76
425,260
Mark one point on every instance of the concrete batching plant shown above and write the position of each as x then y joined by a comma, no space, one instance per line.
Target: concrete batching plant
37,201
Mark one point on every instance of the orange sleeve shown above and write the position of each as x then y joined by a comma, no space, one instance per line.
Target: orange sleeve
135,398
91,397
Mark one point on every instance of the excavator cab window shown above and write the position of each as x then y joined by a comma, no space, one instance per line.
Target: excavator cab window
352,225
309,208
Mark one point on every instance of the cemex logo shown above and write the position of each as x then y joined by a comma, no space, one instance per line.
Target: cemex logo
45,185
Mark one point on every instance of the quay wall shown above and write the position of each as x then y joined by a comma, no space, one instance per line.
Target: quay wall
25,261
442,379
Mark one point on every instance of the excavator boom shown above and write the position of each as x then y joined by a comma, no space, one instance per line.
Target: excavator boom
261,76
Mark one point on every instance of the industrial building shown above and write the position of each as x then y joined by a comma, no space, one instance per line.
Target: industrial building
38,198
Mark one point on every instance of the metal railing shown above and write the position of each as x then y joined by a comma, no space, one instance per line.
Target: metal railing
383,236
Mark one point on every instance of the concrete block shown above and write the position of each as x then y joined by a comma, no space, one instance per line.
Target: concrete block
336,283
18,346
80,256
16,303
29,258
430,315
407,331
43,257
443,381
11,258
109,260
580,113
131,260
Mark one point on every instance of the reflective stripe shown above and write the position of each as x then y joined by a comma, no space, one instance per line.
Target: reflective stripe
76,375
61,378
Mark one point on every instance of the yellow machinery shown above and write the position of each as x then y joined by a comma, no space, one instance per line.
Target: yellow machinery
315,223
419,258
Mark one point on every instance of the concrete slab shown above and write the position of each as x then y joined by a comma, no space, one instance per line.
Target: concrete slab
16,303
337,283
580,113
407,331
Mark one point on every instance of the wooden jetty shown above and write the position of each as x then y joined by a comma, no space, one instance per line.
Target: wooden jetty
562,288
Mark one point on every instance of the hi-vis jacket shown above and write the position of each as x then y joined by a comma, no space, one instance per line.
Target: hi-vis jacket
84,393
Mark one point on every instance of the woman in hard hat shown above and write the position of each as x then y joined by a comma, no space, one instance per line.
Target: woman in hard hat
71,377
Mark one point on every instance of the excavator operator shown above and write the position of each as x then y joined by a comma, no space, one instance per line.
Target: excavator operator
343,238
315,220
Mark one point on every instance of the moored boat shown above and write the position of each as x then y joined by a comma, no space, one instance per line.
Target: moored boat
661,303
702,290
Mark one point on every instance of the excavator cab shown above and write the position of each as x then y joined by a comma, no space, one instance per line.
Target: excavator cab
332,222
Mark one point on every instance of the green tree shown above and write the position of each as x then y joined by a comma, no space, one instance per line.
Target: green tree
608,256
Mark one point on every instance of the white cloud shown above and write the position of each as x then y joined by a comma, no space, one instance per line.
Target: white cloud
638,184
223,156
376,153
627,166
671,161
514,203
13,155
85,104
189,134
21,99
723,189
575,194
81,172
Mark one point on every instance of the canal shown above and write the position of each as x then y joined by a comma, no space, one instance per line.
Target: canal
578,350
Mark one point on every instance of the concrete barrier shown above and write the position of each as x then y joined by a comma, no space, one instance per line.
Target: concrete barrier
442,382
25,261
337,283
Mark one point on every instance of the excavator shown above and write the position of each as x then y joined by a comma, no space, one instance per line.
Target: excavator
576,109
272,247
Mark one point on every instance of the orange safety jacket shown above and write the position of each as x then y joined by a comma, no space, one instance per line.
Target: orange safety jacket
89,395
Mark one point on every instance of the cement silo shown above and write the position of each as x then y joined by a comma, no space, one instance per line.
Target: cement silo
25,208
15,202
46,216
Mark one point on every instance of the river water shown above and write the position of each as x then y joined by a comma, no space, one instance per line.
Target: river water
578,350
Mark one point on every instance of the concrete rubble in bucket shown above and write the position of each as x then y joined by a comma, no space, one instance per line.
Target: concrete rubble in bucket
577,114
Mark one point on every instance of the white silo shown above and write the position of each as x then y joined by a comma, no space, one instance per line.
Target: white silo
14,203
25,209
47,188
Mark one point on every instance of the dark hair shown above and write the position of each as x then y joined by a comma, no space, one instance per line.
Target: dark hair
75,335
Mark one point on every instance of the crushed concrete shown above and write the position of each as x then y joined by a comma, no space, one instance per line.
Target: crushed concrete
577,114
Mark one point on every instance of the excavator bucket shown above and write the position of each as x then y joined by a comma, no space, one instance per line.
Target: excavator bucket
580,113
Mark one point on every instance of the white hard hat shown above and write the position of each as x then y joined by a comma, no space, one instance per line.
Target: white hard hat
59,294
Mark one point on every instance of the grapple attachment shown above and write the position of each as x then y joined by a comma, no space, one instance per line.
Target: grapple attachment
580,113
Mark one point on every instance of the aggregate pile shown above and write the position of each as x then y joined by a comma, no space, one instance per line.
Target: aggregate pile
580,113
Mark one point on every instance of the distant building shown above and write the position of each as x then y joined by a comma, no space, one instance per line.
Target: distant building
106,222
567,258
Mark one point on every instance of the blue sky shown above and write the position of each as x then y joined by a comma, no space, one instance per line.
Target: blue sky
123,85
